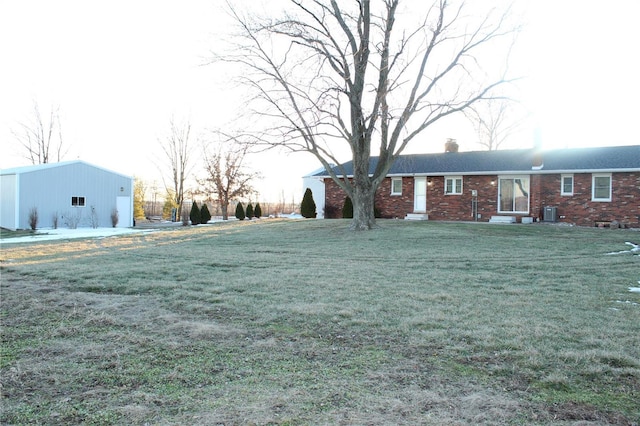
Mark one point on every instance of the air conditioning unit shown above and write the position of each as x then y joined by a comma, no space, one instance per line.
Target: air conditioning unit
550,214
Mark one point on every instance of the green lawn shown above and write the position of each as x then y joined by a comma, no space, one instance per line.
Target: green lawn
305,322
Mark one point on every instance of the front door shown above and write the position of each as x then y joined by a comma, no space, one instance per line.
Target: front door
420,195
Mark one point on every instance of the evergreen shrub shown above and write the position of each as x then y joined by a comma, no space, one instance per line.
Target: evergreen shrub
308,206
205,216
257,211
347,209
195,214
240,212
249,211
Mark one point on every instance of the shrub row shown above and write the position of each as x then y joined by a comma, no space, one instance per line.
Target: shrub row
249,212
199,215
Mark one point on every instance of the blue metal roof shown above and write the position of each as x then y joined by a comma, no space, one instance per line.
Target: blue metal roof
617,158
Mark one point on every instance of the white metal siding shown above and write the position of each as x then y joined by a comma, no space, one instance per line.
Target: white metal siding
317,190
50,191
8,201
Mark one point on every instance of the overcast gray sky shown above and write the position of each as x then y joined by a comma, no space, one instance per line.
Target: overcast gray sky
119,70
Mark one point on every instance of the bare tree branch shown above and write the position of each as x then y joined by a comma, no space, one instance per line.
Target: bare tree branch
177,151
40,139
495,120
351,74
226,176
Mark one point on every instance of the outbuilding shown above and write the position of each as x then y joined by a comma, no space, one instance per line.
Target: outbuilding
66,194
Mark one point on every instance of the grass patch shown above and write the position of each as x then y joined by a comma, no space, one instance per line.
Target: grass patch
303,322
6,233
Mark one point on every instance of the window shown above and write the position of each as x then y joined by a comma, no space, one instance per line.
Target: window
77,201
513,194
396,186
601,187
453,185
566,185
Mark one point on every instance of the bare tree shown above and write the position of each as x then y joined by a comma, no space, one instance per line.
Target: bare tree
351,72
177,152
226,178
42,139
494,121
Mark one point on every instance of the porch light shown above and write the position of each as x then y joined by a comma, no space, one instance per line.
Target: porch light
493,183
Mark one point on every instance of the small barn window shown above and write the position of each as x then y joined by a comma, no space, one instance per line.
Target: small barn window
77,201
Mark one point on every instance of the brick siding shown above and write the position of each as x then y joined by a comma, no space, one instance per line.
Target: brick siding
579,209
544,191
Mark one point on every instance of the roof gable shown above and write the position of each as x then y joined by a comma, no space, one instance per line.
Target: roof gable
46,166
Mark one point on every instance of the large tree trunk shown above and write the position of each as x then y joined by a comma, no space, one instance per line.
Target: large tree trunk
224,206
363,212
363,195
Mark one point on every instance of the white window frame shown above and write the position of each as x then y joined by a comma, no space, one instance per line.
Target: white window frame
562,178
513,178
593,187
393,189
455,190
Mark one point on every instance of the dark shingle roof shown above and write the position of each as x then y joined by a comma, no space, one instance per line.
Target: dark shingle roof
511,161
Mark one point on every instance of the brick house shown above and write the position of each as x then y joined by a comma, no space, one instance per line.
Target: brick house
583,186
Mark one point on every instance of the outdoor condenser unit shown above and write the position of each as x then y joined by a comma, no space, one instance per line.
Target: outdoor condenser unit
550,214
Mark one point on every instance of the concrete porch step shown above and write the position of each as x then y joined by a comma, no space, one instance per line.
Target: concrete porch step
416,216
502,219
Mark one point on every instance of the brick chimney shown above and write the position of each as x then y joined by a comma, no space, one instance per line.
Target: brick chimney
451,145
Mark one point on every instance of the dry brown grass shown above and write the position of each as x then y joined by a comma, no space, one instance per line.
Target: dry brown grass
306,323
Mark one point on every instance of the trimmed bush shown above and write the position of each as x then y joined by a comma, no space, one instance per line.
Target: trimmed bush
347,209
33,218
331,211
115,217
195,214
377,213
205,216
249,211
240,212
308,206
257,211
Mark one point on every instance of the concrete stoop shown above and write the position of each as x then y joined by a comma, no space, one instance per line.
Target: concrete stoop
416,216
502,219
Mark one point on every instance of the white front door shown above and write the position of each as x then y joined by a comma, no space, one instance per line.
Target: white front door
420,195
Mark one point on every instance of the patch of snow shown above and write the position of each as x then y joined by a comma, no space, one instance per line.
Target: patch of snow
634,289
291,216
49,234
634,248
